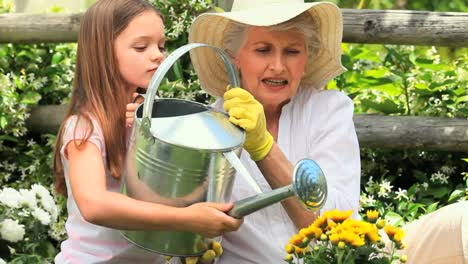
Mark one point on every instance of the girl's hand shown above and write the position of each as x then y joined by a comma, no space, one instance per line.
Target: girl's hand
211,219
131,108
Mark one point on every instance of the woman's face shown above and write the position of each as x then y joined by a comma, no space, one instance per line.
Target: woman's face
139,49
272,64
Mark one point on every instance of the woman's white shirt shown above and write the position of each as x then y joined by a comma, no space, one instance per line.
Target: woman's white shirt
315,124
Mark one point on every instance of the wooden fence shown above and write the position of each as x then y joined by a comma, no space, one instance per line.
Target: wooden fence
360,26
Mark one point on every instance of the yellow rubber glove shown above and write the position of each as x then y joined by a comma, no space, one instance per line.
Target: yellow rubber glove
248,113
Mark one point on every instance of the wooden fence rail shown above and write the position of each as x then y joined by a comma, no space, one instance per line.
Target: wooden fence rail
390,132
400,27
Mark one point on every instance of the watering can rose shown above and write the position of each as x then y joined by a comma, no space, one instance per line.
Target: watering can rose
336,238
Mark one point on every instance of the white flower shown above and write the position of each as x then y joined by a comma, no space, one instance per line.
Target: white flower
444,179
439,177
384,189
28,198
425,185
10,197
11,230
47,201
2,261
401,193
41,215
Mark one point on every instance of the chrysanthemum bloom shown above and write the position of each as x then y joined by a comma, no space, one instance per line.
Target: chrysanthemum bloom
372,215
296,240
341,245
191,260
390,231
373,234
311,232
209,255
398,237
289,248
301,251
320,222
218,249
338,216
403,258
334,238
288,258
381,223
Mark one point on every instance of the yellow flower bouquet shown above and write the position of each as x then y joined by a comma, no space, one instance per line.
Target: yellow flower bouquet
335,238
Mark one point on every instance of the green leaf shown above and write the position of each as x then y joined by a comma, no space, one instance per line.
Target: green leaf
58,57
432,207
462,99
429,64
7,137
455,195
3,122
31,98
439,192
393,218
386,107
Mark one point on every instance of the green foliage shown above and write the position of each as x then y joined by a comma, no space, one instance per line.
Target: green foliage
404,80
401,80
181,82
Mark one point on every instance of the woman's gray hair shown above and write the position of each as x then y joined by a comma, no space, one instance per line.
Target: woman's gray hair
235,35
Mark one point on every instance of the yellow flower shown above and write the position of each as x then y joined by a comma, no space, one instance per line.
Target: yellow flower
311,232
390,231
334,238
403,258
398,237
331,224
372,215
191,260
218,249
341,245
289,248
373,235
381,223
288,258
296,240
300,251
320,222
338,216
208,256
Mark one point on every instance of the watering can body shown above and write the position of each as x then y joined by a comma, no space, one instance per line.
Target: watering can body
176,157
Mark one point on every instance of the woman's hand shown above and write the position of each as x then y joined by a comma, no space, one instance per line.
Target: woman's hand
211,219
131,108
248,113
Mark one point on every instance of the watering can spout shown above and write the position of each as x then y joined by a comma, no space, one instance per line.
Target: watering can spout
309,186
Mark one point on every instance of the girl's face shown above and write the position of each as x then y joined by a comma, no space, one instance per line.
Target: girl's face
139,49
272,64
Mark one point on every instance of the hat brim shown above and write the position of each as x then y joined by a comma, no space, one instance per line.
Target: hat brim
209,28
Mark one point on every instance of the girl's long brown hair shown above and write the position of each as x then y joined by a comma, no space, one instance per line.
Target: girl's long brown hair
98,87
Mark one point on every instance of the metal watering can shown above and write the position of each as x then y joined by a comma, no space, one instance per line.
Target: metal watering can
182,152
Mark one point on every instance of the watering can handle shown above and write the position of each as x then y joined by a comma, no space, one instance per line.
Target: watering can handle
167,64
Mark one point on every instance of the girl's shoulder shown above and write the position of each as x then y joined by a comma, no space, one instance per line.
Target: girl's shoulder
80,127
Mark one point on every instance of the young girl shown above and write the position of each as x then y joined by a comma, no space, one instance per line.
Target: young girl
120,45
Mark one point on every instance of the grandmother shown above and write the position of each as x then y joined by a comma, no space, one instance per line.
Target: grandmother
286,52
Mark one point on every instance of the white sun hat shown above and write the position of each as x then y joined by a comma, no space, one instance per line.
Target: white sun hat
209,28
